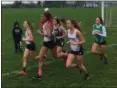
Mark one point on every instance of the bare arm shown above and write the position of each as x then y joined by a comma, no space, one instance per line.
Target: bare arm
40,32
48,30
93,32
81,38
30,36
64,32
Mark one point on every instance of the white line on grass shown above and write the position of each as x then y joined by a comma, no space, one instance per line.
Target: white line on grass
14,72
49,62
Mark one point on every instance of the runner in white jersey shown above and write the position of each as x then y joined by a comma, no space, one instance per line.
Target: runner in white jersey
48,42
30,46
76,39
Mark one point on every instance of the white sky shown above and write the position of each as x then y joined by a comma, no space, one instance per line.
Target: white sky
7,2
24,1
11,2
27,1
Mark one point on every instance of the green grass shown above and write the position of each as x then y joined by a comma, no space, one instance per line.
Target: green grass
55,73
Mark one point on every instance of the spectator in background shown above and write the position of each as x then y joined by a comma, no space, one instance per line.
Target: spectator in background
17,35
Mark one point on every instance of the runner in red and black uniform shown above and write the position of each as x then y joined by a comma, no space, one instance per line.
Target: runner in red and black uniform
48,42
41,23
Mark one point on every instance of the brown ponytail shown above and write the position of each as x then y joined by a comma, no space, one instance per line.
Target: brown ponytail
62,20
30,25
101,21
48,16
76,25
57,20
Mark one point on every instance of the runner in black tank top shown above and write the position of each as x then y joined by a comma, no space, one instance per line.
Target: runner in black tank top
59,34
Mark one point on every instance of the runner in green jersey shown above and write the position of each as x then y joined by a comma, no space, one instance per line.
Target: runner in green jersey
99,31
100,38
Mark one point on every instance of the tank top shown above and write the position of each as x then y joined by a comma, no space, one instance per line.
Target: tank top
56,31
41,24
73,37
98,28
27,37
46,39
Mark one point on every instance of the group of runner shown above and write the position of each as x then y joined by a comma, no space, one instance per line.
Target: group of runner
54,32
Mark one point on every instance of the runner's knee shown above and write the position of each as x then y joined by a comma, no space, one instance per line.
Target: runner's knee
68,65
93,51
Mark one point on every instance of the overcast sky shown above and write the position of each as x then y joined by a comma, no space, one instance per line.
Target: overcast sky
28,1
25,1
11,2
19,0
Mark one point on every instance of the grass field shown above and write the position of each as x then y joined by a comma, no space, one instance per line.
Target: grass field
55,73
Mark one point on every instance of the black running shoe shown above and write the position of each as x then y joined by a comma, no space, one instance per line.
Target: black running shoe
86,76
105,60
81,72
101,56
37,77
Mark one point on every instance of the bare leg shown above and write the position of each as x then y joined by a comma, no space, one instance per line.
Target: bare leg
40,58
81,64
95,50
103,50
24,63
74,65
32,54
54,53
61,54
69,61
82,67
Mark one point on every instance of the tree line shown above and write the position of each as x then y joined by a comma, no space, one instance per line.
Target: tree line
49,4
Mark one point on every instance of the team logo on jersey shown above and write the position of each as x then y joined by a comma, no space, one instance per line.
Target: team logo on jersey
73,39
17,30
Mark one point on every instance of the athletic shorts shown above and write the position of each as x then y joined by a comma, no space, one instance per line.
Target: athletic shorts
80,52
59,42
102,43
49,44
31,46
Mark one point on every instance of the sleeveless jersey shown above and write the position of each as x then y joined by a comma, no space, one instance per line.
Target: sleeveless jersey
73,37
98,28
46,39
41,24
56,32
27,37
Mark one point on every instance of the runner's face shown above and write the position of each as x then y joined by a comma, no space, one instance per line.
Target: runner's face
25,24
43,18
69,25
97,21
17,25
55,22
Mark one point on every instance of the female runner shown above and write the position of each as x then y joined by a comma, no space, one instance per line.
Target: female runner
48,41
59,34
30,46
76,39
99,31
